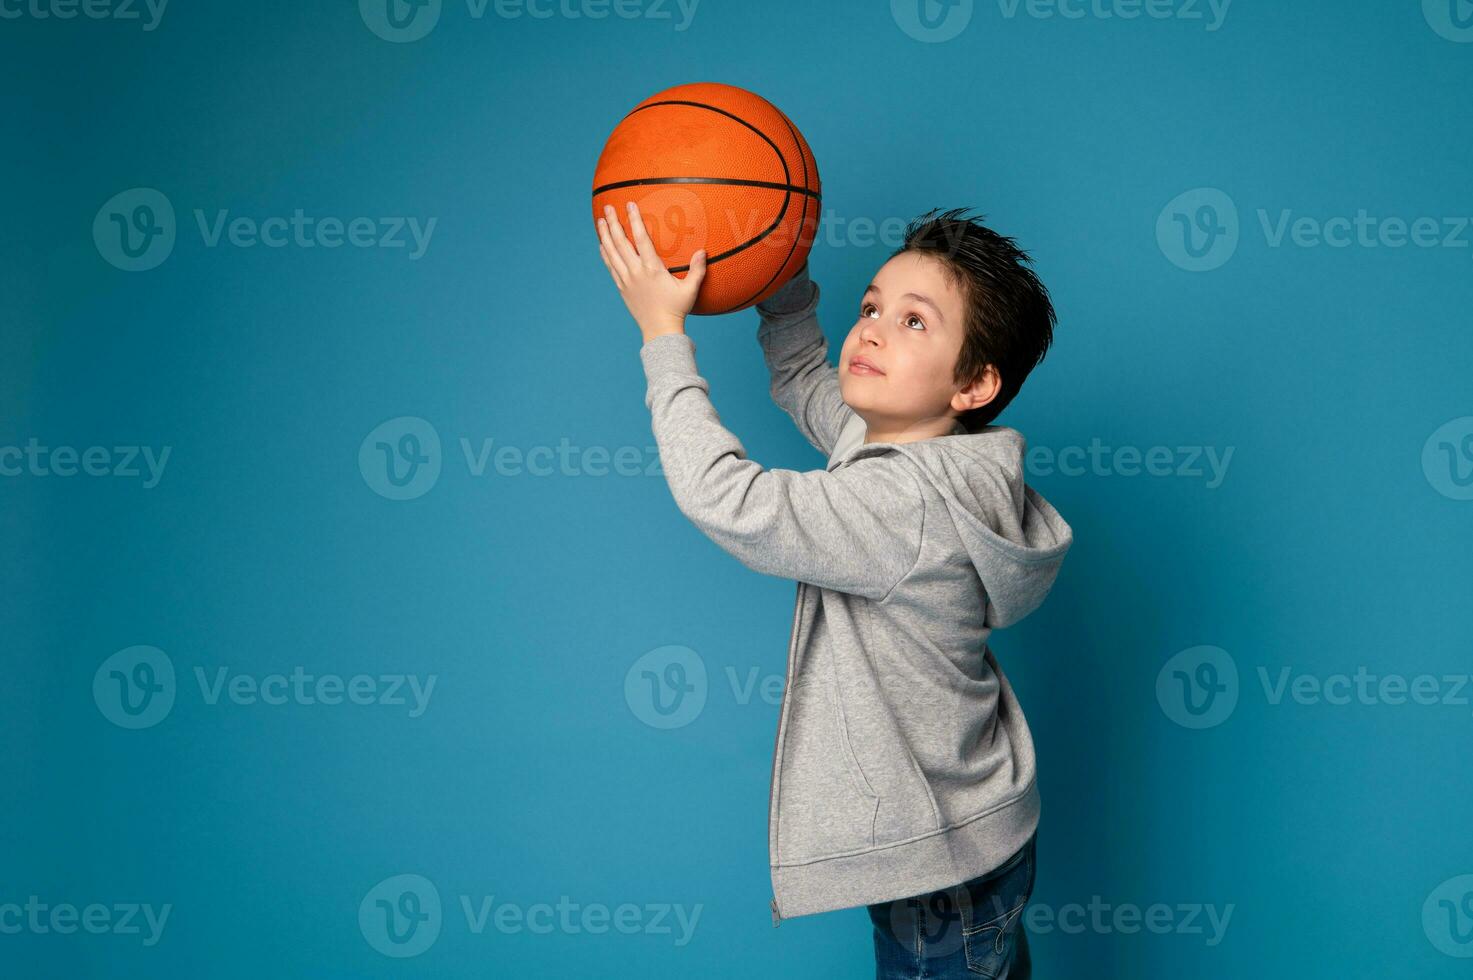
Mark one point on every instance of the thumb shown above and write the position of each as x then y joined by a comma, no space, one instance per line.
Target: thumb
697,269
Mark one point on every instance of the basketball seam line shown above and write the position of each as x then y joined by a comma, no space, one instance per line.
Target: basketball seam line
731,181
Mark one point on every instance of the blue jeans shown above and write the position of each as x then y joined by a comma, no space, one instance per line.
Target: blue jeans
971,930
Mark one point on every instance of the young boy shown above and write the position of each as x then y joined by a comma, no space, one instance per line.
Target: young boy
903,774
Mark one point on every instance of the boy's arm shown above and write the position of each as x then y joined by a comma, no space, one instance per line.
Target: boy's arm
856,529
804,383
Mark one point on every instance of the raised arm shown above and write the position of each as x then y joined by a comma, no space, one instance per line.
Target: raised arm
855,529
804,383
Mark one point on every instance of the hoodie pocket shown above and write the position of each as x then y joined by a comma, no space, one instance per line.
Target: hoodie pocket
907,806
851,761
857,777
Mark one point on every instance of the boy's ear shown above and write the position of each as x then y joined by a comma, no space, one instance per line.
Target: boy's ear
979,392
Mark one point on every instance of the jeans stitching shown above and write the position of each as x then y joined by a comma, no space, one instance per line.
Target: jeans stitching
1002,922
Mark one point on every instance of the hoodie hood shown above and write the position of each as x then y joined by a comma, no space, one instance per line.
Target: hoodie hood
1015,538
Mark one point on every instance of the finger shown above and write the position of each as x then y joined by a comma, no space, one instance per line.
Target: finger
605,256
613,270
622,247
615,259
642,237
697,270
606,249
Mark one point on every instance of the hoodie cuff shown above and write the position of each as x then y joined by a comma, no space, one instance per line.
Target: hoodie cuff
669,353
793,298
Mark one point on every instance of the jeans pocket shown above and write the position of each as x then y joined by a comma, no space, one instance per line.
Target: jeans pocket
992,915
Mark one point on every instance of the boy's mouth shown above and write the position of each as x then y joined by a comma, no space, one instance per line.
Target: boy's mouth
858,365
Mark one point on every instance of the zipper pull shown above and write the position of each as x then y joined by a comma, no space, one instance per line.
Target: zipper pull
776,917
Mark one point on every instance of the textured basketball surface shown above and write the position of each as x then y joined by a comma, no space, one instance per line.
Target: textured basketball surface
714,166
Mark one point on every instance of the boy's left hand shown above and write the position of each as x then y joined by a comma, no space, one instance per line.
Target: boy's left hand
658,301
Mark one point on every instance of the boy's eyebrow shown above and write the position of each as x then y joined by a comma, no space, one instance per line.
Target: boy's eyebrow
872,288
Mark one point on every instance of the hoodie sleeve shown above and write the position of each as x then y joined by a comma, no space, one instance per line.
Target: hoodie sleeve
804,383
856,529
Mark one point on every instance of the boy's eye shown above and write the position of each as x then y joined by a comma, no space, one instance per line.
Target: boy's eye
863,310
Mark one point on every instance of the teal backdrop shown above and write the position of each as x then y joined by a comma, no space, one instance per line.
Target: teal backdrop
336,565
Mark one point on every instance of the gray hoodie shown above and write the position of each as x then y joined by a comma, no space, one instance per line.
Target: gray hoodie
903,763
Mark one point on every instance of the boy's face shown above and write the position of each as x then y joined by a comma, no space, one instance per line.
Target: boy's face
910,328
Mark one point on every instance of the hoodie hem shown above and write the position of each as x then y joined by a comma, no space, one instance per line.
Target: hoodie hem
915,867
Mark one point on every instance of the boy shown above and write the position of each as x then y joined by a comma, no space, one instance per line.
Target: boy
903,772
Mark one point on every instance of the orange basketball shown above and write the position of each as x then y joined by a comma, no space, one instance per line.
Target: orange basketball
717,167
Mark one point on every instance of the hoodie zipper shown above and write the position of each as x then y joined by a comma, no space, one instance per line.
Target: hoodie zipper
782,721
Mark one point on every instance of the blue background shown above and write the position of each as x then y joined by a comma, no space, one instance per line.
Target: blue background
1328,547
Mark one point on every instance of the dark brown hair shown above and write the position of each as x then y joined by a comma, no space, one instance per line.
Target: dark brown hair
1009,319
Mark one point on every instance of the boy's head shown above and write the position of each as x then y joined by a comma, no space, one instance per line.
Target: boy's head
955,321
